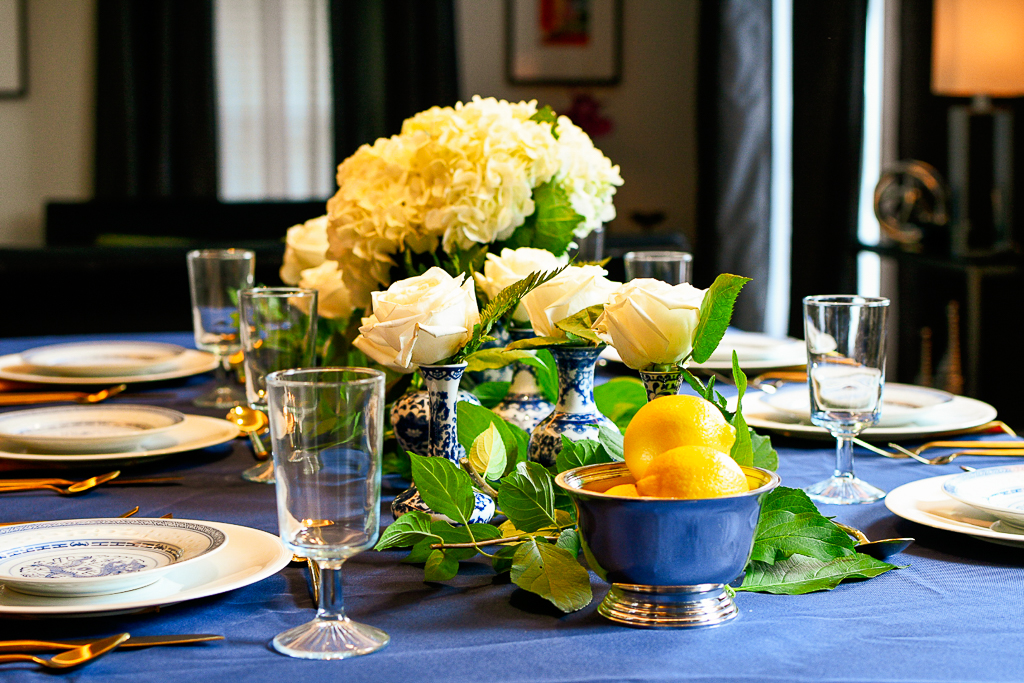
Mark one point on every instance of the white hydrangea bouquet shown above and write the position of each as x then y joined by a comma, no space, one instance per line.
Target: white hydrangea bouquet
459,188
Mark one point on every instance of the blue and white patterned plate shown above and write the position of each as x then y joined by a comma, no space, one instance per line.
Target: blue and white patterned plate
998,491
85,429
85,557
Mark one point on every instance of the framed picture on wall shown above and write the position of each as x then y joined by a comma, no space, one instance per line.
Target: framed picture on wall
564,42
13,48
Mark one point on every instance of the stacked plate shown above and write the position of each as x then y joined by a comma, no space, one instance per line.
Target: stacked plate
113,566
987,504
105,362
907,412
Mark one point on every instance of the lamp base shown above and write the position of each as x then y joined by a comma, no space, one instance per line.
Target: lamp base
668,606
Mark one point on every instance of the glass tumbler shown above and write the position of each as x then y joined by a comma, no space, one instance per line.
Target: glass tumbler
672,267
327,427
278,333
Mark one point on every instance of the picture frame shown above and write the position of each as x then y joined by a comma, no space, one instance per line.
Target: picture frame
564,42
13,48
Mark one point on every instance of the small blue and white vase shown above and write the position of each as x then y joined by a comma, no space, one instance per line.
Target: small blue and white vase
501,340
524,405
442,389
575,415
409,420
660,384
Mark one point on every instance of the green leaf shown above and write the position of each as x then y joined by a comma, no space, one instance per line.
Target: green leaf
611,442
538,343
547,375
552,573
407,530
580,323
492,359
551,224
501,561
487,455
569,540
546,115
764,455
473,420
443,486
461,534
715,314
800,574
791,524
491,393
742,448
579,453
441,566
620,398
527,497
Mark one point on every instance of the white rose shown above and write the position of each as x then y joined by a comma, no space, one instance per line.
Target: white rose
334,301
419,321
511,267
651,322
568,293
305,247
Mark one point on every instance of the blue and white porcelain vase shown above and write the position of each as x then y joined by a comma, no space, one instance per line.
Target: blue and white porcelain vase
410,422
524,405
575,415
660,384
442,390
501,340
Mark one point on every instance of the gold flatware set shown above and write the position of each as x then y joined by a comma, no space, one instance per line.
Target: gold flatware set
31,398
83,651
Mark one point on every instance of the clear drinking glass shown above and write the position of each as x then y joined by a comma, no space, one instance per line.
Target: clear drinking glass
672,267
278,333
215,277
845,375
327,426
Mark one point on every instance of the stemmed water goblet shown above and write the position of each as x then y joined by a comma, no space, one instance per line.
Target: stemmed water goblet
845,338
278,326
327,427
215,278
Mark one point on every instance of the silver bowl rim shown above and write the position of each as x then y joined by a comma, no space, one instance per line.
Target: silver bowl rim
773,480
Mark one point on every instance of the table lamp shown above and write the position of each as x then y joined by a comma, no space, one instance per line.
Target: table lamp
978,52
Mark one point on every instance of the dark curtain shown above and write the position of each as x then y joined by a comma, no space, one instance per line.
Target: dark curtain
734,149
391,59
828,111
155,106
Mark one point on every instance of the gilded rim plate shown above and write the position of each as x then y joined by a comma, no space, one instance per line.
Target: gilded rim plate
86,429
102,358
188,363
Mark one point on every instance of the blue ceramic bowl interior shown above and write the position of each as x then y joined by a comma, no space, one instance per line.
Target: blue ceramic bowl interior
664,542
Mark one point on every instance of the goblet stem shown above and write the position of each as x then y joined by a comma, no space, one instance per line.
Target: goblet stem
331,604
844,456
843,488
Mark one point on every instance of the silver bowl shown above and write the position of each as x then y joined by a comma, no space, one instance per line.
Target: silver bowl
668,560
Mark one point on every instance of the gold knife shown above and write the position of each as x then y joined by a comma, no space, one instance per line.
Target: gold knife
134,641
142,481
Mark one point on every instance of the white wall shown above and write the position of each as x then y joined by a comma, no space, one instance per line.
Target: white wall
654,106
46,137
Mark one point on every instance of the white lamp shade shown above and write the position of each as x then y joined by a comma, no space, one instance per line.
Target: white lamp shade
978,48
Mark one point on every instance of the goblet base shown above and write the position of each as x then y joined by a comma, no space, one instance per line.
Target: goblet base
837,490
330,639
668,606
262,473
221,396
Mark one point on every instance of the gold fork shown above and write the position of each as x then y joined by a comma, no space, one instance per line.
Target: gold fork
73,489
30,398
75,657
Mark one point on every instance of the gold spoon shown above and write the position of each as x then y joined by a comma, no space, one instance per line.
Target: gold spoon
75,657
881,549
77,487
251,421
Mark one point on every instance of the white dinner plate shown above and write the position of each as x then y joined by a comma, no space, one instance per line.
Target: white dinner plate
102,358
84,557
925,502
902,404
998,491
191,362
250,555
87,428
755,351
960,413
197,431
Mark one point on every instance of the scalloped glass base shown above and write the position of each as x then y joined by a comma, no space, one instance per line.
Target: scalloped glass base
263,473
844,491
221,396
668,606
330,639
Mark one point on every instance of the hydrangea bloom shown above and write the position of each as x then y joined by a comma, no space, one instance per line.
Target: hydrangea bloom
455,177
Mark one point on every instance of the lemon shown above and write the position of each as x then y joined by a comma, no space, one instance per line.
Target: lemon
672,421
625,490
692,472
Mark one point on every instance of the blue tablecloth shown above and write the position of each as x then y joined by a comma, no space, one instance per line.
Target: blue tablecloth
954,613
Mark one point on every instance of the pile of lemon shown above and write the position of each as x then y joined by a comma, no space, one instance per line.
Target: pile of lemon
678,447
